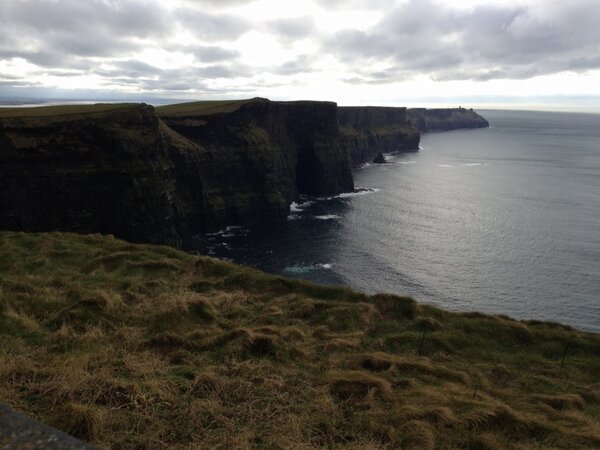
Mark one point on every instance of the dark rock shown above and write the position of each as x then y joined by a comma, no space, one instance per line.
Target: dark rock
103,172
379,159
445,119
368,130
19,432
247,165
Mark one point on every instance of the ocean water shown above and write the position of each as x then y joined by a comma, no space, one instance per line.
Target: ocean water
500,220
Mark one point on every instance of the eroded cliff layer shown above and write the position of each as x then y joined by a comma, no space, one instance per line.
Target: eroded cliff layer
445,119
368,130
119,169
246,165
86,169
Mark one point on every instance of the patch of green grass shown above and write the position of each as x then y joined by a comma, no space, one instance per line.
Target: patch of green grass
63,110
202,108
141,346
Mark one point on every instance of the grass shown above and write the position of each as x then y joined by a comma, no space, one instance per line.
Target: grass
63,110
138,346
202,108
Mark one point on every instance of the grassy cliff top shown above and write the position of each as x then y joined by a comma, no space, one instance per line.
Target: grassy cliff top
202,108
138,346
63,110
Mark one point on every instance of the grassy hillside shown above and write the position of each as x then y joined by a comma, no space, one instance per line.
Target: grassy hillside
135,346
62,110
201,108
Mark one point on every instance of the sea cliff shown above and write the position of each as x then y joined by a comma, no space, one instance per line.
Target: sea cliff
161,175
445,119
246,165
86,169
369,130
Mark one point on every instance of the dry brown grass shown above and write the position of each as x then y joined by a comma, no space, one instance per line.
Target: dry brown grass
134,347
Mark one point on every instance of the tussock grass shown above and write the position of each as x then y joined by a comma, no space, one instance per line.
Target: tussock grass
138,346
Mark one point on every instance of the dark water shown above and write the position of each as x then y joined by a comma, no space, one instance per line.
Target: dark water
499,220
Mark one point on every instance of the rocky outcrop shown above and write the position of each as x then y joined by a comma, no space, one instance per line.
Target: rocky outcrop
379,159
157,176
368,130
247,165
445,119
104,172
121,170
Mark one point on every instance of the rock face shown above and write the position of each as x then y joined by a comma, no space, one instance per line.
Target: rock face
104,172
368,130
246,166
157,176
445,119
379,159
121,170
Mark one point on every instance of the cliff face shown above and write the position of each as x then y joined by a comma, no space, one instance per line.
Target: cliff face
368,130
157,176
445,119
121,170
101,172
246,166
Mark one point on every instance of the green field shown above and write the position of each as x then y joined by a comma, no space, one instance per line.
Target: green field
138,346
201,108
63,110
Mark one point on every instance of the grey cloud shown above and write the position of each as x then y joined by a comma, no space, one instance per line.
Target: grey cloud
483,43
212,27
211,53
292,28
299,65
140,18
62,34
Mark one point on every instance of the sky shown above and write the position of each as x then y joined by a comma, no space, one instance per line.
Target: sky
541,54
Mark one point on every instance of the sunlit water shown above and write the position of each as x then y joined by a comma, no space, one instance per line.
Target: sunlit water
499,220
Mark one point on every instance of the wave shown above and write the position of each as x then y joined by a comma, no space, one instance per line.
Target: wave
474,164
297,207
327,217
355,193
307,268
228,231
445,165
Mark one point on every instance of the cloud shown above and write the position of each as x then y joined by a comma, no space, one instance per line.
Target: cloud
481,43
292,28
204,44
210,26
54,33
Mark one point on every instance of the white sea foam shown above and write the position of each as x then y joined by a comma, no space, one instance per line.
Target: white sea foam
327,217
228,231
406,162
444,165
474,164
356,192
297,207
308,268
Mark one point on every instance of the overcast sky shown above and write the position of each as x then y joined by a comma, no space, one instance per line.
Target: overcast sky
405,52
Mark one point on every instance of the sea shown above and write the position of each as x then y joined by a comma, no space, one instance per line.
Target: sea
501,220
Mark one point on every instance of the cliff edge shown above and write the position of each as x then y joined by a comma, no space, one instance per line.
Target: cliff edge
369,130
445,119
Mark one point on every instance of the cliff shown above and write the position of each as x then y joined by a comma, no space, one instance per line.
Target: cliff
119,169
369,130
86,169
140,346
245,162
445,119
